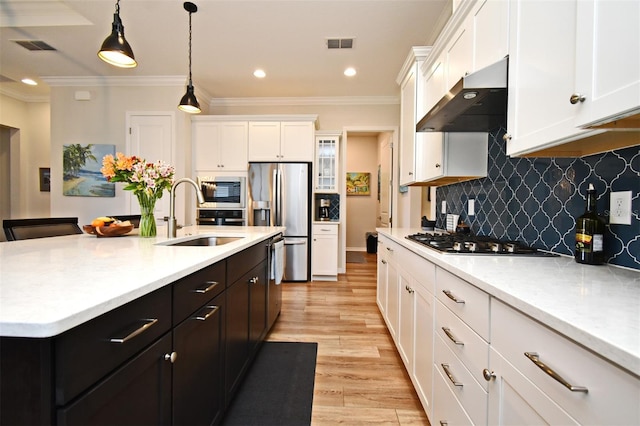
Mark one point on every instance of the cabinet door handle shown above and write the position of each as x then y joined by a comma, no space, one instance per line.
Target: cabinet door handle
437,165
576,97
410,173
389,249
253,280
144,327
488,375
409,289
171,357
452,297
212,310
384,262
535,358
450,335
445,367
202,290
506,137
443,423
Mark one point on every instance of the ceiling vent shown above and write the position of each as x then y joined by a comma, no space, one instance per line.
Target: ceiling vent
34,44
340,43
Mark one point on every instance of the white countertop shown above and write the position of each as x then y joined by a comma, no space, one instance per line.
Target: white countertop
596,306
50,285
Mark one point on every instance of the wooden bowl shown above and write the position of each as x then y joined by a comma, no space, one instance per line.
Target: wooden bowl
107,231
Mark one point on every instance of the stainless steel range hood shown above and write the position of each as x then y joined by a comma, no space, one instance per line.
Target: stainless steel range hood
476,103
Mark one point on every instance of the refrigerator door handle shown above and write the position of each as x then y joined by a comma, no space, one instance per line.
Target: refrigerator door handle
277,196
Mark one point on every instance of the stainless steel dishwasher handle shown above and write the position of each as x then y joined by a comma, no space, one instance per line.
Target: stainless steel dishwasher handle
202,290
148,323
535,358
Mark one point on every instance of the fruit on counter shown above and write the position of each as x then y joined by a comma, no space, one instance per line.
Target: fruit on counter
108,221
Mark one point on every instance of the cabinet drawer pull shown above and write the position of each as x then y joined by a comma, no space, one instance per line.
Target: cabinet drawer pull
445,367
212,310
535,358
210,286
148,323
409,289
450,335
452,297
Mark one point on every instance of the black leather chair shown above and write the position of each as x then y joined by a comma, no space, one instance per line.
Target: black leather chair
133,218
25,229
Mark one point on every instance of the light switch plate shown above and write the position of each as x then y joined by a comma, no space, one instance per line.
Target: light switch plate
620,208
471,207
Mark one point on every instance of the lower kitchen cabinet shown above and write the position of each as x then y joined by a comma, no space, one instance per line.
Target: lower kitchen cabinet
158,360
324,251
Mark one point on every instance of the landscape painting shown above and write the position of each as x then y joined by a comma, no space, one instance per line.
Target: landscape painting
81,170
358,183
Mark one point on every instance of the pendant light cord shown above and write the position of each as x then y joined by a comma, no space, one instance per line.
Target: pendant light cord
190,83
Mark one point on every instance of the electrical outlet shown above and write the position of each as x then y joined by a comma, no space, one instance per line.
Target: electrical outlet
471,207
620,208
443,210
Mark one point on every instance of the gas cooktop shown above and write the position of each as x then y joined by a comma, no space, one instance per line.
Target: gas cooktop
458,243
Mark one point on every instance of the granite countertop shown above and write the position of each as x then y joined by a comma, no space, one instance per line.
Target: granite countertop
596,306
50,285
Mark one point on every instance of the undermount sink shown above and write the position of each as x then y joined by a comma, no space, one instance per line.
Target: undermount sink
204,241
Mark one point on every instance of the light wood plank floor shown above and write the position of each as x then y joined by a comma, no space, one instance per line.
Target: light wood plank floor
360,378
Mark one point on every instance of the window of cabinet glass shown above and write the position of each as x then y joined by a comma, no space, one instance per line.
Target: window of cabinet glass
327,150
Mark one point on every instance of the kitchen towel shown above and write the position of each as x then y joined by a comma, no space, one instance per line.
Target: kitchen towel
277,261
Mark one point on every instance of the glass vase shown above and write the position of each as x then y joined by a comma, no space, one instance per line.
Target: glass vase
147,227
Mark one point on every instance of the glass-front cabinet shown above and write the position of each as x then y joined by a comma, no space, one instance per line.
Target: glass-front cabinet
327,164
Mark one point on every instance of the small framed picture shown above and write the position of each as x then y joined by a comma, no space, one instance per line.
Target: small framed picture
45,179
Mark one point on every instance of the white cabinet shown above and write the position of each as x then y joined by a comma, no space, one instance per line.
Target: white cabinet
452,157
327,163
219,145
607,60
381,290
529,361
324,251
541,76
411,110
490,26
281,140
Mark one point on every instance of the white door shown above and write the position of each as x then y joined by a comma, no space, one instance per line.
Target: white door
151,137
384,204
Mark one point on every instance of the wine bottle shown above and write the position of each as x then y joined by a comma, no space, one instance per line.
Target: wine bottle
590,233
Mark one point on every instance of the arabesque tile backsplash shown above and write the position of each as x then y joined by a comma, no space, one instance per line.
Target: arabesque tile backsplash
537,200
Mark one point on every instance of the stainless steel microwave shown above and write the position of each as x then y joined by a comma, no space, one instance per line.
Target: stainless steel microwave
223,192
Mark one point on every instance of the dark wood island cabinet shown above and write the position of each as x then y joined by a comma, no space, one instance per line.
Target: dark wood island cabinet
172,357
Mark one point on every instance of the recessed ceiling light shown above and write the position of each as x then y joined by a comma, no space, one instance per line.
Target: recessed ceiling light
260,73
29,81
350,72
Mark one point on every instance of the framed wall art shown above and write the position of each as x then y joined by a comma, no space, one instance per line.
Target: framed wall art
358,183
81,175
44,174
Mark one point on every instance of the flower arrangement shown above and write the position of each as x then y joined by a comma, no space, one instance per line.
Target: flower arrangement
147,180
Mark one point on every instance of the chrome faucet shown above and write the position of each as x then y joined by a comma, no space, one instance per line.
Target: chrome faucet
172,224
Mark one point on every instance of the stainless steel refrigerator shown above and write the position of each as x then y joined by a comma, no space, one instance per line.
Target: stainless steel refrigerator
279,194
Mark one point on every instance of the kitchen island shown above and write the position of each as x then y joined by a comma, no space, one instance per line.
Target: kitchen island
488,325
129,329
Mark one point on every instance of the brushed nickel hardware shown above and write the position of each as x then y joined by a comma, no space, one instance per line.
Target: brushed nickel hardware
450,335
452,297
488,375
171,357
443,423
384,262
437,165
212,285
253,280
576,97
409,289
535,358
445,367
212,310
506,137
148,323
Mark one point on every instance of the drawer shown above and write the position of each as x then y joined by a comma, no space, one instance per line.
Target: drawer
195,290
446,408
421,269
466,301
325,230
392,250
473,398
612,396
88,352
240,263
465,343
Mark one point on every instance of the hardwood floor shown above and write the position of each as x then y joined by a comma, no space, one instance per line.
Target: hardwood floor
360,378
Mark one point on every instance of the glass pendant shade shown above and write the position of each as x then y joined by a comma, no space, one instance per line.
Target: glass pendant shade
189,103
115,49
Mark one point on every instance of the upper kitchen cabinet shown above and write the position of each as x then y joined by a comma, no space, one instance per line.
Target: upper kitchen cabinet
411,109
567,79
607,62
327,162
290,139
489,23
219,145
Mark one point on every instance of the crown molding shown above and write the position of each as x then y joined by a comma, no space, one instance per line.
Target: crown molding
22,97
299,101
160,80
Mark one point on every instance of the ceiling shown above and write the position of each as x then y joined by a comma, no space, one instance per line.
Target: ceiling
230,39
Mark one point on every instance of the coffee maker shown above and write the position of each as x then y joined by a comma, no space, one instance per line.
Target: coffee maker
323,212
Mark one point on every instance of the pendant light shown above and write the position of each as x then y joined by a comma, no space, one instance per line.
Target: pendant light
189,103
115,50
